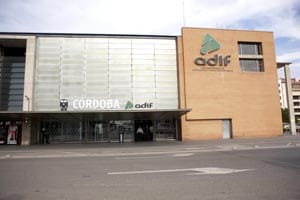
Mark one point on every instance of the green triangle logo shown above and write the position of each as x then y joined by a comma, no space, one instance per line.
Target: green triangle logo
128,105
209,45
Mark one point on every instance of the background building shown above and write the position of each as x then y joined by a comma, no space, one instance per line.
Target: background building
295,96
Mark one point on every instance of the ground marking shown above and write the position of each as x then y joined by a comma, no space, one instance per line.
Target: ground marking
139,157
183,154
197,171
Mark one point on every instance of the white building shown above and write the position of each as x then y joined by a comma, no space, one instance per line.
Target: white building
295,95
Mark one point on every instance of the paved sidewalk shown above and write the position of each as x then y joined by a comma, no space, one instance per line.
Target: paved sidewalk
145,148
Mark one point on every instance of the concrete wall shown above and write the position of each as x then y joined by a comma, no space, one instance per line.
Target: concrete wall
27,128
250,99
29,73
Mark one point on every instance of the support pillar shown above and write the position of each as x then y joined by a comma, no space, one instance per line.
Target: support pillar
154,130
26,133
176,129
109,131
86,132
289,95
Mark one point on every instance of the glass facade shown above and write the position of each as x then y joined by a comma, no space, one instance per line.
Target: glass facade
72,131
11,83
139,70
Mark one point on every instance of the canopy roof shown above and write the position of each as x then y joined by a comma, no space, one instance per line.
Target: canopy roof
97,115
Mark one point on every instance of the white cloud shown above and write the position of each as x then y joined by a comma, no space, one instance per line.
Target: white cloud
152,17
277,15
294,58
289,57
92,16
146,17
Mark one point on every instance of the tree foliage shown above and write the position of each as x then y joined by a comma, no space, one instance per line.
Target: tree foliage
285,115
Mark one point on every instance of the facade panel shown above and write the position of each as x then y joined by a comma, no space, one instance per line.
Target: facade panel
126,69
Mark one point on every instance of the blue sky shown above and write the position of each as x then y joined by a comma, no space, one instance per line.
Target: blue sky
163,17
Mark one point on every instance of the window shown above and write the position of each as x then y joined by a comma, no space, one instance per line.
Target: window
296,103
297,110
250,55
249,48
295,97
251,65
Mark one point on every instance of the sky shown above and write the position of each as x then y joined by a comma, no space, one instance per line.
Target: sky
161,17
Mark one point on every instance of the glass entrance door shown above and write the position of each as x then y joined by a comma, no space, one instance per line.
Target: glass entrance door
73,131
124,127
165,130
54,130
97,131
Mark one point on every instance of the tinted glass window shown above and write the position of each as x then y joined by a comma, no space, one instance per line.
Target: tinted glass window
250,48
251,65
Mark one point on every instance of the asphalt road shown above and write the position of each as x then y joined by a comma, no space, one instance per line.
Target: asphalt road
176,172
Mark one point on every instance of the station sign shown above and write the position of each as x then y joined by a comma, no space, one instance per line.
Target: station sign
102,104
96,104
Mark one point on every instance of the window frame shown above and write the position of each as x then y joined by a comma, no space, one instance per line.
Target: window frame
259,49
257,57
259,67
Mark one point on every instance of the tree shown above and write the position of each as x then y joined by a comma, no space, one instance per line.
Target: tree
285,115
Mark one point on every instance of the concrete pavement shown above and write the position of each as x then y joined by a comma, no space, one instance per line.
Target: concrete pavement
224,170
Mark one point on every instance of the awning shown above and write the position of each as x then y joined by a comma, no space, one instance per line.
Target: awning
282,64
98,115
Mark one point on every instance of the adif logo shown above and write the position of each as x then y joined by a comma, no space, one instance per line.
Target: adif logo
208,46
128,105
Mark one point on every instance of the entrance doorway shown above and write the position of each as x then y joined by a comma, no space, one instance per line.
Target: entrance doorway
143,130
226,129
97,131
